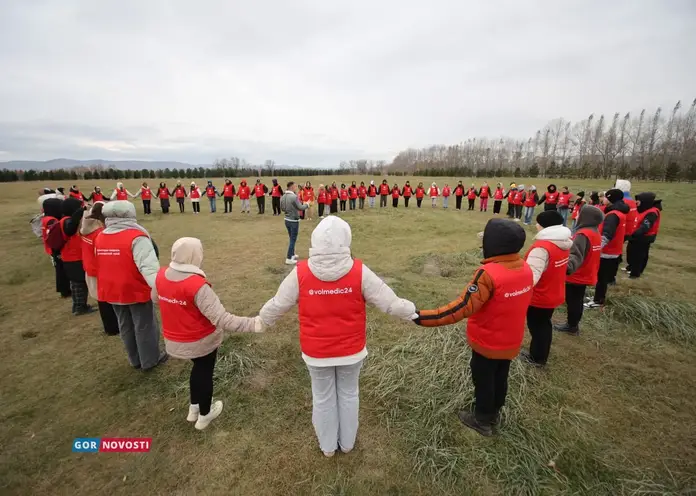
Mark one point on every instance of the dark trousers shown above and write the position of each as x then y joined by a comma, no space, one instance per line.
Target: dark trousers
361,203
334,206
496,206
406,199
608,267
382,200
196,206
541,329
395,202
293,228
321,209
108,317
275,202
343,205
471,203
458,202
511,211
418,202
550,206
180,201
518,211
637,253
261,204
146,207
228,204
78,285
201,381
575,301
165,206
62,281
490,377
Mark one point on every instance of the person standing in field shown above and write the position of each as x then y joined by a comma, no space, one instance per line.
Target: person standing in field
583,264
613,232
145,194
96,196
484,193
434,193
510,195
446,192
276,193
577,205
194,322
563,204
362,194
631,218
639,242
321,200
227,194
458,195
309,195
548,259
529,202
383,193
372,193
259,192
121,193
352,195
420,194
195,196
550,198
329,202
292,207
471,196
127,267
52,214
211,193
180,194
343,195
498,196
163,194
519,196
244,195
407,193
76,194
332,290
495,302
333,196
395,194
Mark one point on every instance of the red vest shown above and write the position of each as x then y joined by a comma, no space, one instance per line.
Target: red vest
210,191
258,190
97,197
118,278
164,194
498,195
180,192
334,193
77,196
471,194
383,189
228,190
395,193
72,249
564,199
446,191
344,194
433,191
587,272
362,191
529,200
576,209
551,198
44,231
89,261
631,217
485,192
549,291
499,324
332,314
615,246
511,197
420,192
322,197
145,193
121,194
309,194
408,192
459,191
517,200
372,190
243,192
353,192
275,191
182,321
195,193
656,225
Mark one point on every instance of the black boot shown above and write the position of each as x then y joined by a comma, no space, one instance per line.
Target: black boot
573,331
470,420
526,357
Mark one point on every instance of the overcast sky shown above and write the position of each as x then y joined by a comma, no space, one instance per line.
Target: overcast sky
314,82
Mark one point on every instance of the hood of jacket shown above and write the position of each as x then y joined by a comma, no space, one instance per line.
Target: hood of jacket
70,206
551,188
619,205
53,207
88,225
558,235
589,217
625,186
502,237
329,255
647,201
187,256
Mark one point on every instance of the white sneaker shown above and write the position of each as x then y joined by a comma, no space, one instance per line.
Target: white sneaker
204,420
295,257
290,261
592,305
329,454
194,410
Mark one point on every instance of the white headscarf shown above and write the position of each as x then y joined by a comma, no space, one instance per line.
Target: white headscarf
187,256
329,256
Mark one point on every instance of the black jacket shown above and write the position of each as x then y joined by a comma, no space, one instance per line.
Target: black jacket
647,201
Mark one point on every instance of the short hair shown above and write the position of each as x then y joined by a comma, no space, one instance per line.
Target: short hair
290,183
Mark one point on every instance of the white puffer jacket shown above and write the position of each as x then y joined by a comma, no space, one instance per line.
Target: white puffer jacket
329,260
538,258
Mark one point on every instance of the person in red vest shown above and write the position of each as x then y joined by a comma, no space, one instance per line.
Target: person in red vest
458,195
446,192
372,193
227,194
577,205
511,195
195,195
498,196
211,193
276,193
518,199
642,238
495,302
420,194
484,194
434,192
259,191
163,194
322,197
548,259
583,264
91,226
244,195
127,267
362,194
631,218
550,198
395,194
64,238
333,196
613,232
96,196
383,193
52,214
407,193
309,198
343,196
121,193
352,195
563,205
145,193
76,194
194,323
471,195
332,290
180,194
529,201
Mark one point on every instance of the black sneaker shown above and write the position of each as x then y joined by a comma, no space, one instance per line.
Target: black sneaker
469,420
162,358
527,358
84,311
573,331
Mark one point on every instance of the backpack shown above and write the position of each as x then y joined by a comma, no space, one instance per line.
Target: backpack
54,239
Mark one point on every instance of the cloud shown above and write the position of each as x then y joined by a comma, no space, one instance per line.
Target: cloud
316,82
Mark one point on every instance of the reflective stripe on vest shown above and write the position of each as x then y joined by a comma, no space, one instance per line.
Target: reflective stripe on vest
549,291
182,321
586,274
332,313
118,278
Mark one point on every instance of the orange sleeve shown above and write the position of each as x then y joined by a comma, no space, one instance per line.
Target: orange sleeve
476,293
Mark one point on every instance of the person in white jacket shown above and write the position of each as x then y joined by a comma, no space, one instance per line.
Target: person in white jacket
331,289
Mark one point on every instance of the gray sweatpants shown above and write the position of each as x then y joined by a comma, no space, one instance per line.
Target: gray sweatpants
246,206
139,330
335,405
371,200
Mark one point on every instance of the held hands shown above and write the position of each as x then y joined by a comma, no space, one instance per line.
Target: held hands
416,317
259,326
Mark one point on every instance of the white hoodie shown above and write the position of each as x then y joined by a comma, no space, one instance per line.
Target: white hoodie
330,260
538,258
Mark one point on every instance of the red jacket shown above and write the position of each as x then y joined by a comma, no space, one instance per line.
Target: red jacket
182,321
72,249
395,192
615,246
195,193
471,193
309,194
530,199
45,221
118,278
163,194
372,190
344,194
459,191
259,190
655,228
89,259
549,291
275,191
331,313
322,197
498,195
210,191
408,192
587,272
564,199
244,192
551,198
145,193
352,192
99,197
576,209
334,193
180,192
362,192
632,216
420,192
121,194
446,191
517,200
228,190
485,192
383,189
433,192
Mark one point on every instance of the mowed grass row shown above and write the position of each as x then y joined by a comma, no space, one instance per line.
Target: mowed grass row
613,413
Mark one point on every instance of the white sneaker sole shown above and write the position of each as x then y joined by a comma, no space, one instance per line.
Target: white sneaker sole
205,420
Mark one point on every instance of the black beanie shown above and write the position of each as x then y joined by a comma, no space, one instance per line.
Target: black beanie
614,195
549,218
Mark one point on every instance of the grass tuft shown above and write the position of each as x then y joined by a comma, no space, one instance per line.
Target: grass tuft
668,319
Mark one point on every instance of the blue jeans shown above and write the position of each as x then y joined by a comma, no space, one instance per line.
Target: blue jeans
293,228
564,214
528,214
212,204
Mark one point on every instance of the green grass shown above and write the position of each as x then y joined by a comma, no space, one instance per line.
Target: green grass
612,414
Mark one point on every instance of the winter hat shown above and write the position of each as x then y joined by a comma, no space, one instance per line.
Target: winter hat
614,195
187,256
589,216
275,182
532,188
549,218
70,206
502,237
647,200
594,197
581,194
521,186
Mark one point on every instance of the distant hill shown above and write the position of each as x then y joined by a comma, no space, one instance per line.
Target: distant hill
68,163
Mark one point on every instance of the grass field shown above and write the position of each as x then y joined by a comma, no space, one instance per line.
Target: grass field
613,413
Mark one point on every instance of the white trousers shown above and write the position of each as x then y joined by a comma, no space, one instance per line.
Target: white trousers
335,405
246,206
